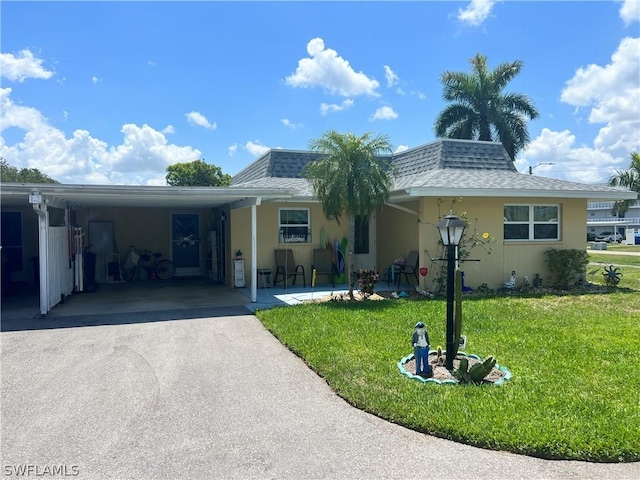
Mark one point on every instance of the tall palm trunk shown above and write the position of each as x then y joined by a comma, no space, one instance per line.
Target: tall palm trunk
350,262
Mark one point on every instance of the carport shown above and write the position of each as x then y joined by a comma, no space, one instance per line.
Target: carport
60,207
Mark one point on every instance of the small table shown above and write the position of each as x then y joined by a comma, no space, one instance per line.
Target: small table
264,277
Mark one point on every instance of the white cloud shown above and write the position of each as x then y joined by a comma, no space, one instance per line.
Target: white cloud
330,108
24,65
233,149
384,113
401,148
579,164
476,12
256,148
391,76
612,93
141,158
199,120
630,11
288,123
94,79
168,129
333,73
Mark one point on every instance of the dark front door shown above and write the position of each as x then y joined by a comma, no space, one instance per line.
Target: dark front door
186,251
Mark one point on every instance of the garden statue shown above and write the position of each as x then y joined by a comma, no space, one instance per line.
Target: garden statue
464,287
511,284
420,342
537,281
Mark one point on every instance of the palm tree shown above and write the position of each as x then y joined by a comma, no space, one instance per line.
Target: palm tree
350,179
481,111
627,178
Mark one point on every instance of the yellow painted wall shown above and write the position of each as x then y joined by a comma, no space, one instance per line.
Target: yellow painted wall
397,233
494,268
267,225
145,228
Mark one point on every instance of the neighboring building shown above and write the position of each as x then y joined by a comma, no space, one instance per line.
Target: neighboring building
271,205
601,218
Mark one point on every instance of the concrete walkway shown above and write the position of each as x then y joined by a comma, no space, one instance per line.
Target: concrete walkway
615,252
217,397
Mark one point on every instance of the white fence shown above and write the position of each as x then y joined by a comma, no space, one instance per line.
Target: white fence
59,272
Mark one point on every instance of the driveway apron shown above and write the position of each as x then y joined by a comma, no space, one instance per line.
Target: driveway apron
213,398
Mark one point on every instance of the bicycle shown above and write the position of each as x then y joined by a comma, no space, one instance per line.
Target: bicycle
150,261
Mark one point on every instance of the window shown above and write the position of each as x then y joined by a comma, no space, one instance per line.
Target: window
531,222
361,235
294,225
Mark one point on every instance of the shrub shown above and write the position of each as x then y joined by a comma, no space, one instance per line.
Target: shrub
567,266
366,281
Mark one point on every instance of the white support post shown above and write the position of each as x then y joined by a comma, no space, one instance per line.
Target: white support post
254,255
43,253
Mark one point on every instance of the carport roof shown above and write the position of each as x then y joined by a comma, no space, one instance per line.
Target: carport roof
140,196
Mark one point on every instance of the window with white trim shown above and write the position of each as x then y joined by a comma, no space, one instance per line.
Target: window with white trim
294,225
532,222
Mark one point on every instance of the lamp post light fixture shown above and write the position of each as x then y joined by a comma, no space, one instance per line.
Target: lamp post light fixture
531,168
451,229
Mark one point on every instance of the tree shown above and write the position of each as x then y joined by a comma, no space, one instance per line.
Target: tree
350,179
481,111
196,174
626,178
10,174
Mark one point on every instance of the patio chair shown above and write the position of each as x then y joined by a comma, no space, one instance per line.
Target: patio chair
410,267
286,267
323,264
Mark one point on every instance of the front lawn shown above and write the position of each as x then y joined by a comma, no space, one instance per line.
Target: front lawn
574,391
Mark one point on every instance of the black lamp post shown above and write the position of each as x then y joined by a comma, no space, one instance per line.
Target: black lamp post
451,229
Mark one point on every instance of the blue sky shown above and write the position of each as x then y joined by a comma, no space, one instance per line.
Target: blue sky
114,92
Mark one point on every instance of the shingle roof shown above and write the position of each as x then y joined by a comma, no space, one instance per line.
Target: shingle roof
276,164
436,168
492,180
448,153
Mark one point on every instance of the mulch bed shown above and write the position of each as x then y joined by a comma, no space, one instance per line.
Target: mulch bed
442,374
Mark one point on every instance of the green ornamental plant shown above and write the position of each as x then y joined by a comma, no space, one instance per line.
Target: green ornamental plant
476,374
367,281
567,266
457,312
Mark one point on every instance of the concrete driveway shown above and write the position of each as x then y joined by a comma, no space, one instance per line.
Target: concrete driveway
215,397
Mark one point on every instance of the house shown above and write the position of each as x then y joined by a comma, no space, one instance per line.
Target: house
271,205
526,214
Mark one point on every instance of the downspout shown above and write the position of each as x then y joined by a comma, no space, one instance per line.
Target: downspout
40,207
254,251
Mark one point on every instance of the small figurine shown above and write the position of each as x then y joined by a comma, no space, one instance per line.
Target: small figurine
420,341
537,281
464,287
511,284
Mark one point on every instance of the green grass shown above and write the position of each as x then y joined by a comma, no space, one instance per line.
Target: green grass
621,247
629,267
575,387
